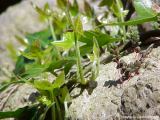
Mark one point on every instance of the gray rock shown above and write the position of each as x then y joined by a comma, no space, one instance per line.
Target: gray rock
138,97
144,100
16,96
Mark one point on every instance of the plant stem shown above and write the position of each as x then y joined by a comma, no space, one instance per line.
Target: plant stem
53,36
53,112
79,66
66,110
96,62
58,109
121,18
52,29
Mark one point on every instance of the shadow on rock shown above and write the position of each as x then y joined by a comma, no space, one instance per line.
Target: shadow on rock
111,83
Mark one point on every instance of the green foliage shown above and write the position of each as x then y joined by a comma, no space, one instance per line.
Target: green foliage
43,37
67,42
60,49
74,9
88,9
28,112
12,51
144,12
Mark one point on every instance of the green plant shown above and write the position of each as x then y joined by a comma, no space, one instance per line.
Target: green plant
62,46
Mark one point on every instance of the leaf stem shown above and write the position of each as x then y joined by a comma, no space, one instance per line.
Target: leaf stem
58,109
121,18
79,66
52,29
53,112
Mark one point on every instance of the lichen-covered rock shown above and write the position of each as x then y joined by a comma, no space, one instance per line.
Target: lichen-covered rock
137,97
140,96
143,98
15,96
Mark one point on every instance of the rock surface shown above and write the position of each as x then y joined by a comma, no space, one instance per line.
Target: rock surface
139,97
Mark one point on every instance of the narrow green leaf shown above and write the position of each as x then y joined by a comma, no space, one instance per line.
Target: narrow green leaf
12,114
134,21
5,86
26,112
78,28
96,49
88,9
65,95
19,68
21,40
74,9
39,10
62,3
46,7
144,9
96,61
43,115
106,3
12,51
